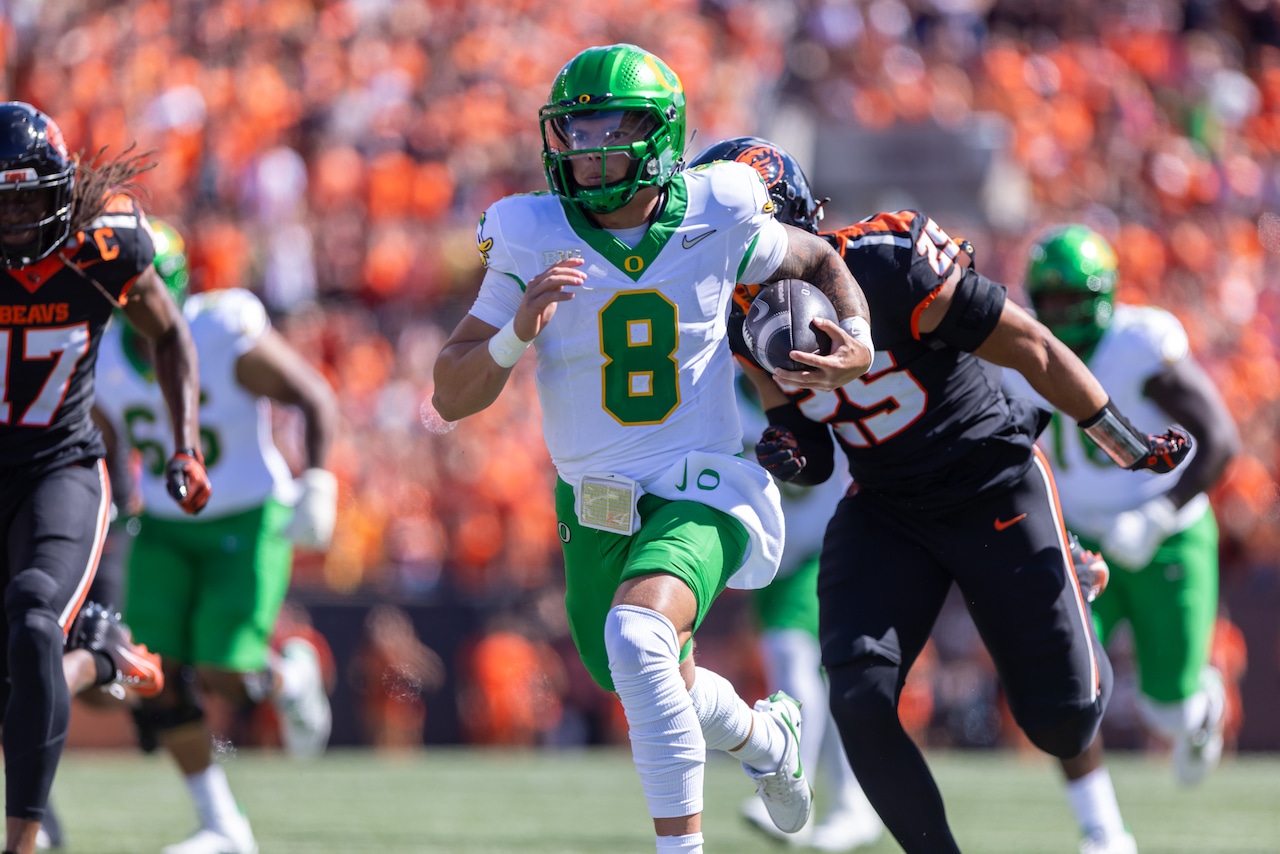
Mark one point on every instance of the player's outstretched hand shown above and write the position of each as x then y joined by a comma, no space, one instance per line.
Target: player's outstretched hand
553,285
187,481
849,359
779,453
1164,451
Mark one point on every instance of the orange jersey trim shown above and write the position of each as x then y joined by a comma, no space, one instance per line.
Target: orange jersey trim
919,310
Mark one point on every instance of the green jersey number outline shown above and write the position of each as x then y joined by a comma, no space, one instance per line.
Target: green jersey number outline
154,457
640,379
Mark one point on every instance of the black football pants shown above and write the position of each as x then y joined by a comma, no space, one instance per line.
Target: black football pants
883,579
53,526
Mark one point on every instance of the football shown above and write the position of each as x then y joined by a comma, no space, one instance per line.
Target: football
781,320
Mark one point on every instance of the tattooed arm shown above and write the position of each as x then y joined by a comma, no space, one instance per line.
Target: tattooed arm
815,261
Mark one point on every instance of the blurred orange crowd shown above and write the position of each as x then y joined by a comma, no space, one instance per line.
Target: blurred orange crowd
335,155
1157,123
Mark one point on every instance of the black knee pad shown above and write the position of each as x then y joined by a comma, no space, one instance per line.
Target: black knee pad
178,706
1071,735
29,590
36,632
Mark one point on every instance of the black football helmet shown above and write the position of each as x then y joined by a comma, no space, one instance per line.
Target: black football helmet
788,186
36,179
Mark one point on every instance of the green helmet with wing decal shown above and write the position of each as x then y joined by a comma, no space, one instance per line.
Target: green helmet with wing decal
1071,280
171,259
613,124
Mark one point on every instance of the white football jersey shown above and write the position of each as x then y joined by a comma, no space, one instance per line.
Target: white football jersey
244,465
1140,343
635,372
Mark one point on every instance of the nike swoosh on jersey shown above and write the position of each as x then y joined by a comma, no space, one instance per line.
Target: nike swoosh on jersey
1001,524
689,244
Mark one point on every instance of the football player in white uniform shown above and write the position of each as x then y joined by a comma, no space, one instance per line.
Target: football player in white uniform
621,278
1158,534
205,593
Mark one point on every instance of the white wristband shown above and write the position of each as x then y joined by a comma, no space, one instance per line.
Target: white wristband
505,346
859,330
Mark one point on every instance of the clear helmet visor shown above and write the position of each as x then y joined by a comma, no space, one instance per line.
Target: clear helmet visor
600,148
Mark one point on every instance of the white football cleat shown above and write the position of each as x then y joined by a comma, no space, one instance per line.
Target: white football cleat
305,716
848,829
1122,844
757,815
237,838
785,792
1197,753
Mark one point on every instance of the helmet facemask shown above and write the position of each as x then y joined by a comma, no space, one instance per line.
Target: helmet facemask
614,125
35,214
37,177
1071,279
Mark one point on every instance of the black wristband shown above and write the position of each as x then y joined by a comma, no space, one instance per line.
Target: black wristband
1112,432
105,667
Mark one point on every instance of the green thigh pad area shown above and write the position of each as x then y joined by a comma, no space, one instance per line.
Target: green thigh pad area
789,602
208,592
698,544
1170,605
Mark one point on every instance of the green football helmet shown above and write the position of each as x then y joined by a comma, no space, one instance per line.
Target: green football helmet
171,259
621,110
1071,280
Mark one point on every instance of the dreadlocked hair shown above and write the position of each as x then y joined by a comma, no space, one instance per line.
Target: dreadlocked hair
97,180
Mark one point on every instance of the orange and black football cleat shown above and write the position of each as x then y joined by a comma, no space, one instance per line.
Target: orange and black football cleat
98,629
1091,569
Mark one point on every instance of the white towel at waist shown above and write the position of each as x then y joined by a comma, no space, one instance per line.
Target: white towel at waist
742,489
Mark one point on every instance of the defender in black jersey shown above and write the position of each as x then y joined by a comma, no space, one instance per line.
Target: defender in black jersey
74,248
949,488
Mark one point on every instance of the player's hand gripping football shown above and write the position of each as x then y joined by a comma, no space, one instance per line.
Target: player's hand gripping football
553,285
187,481
1164,451
778,452
849,359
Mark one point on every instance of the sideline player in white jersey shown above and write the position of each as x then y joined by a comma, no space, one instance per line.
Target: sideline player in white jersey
786,613
205,593
1157,533
622,277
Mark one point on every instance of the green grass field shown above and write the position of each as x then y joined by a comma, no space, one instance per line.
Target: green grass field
465,802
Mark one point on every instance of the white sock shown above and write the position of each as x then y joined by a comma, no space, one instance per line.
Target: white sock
792,662
1093,800
292,673
690,843
1175,720
666,741
215,805
728,721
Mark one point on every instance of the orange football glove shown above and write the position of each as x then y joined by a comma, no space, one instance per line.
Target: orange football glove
187,481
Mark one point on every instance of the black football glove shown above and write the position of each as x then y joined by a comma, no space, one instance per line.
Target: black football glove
778,452
1164,451
187,481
